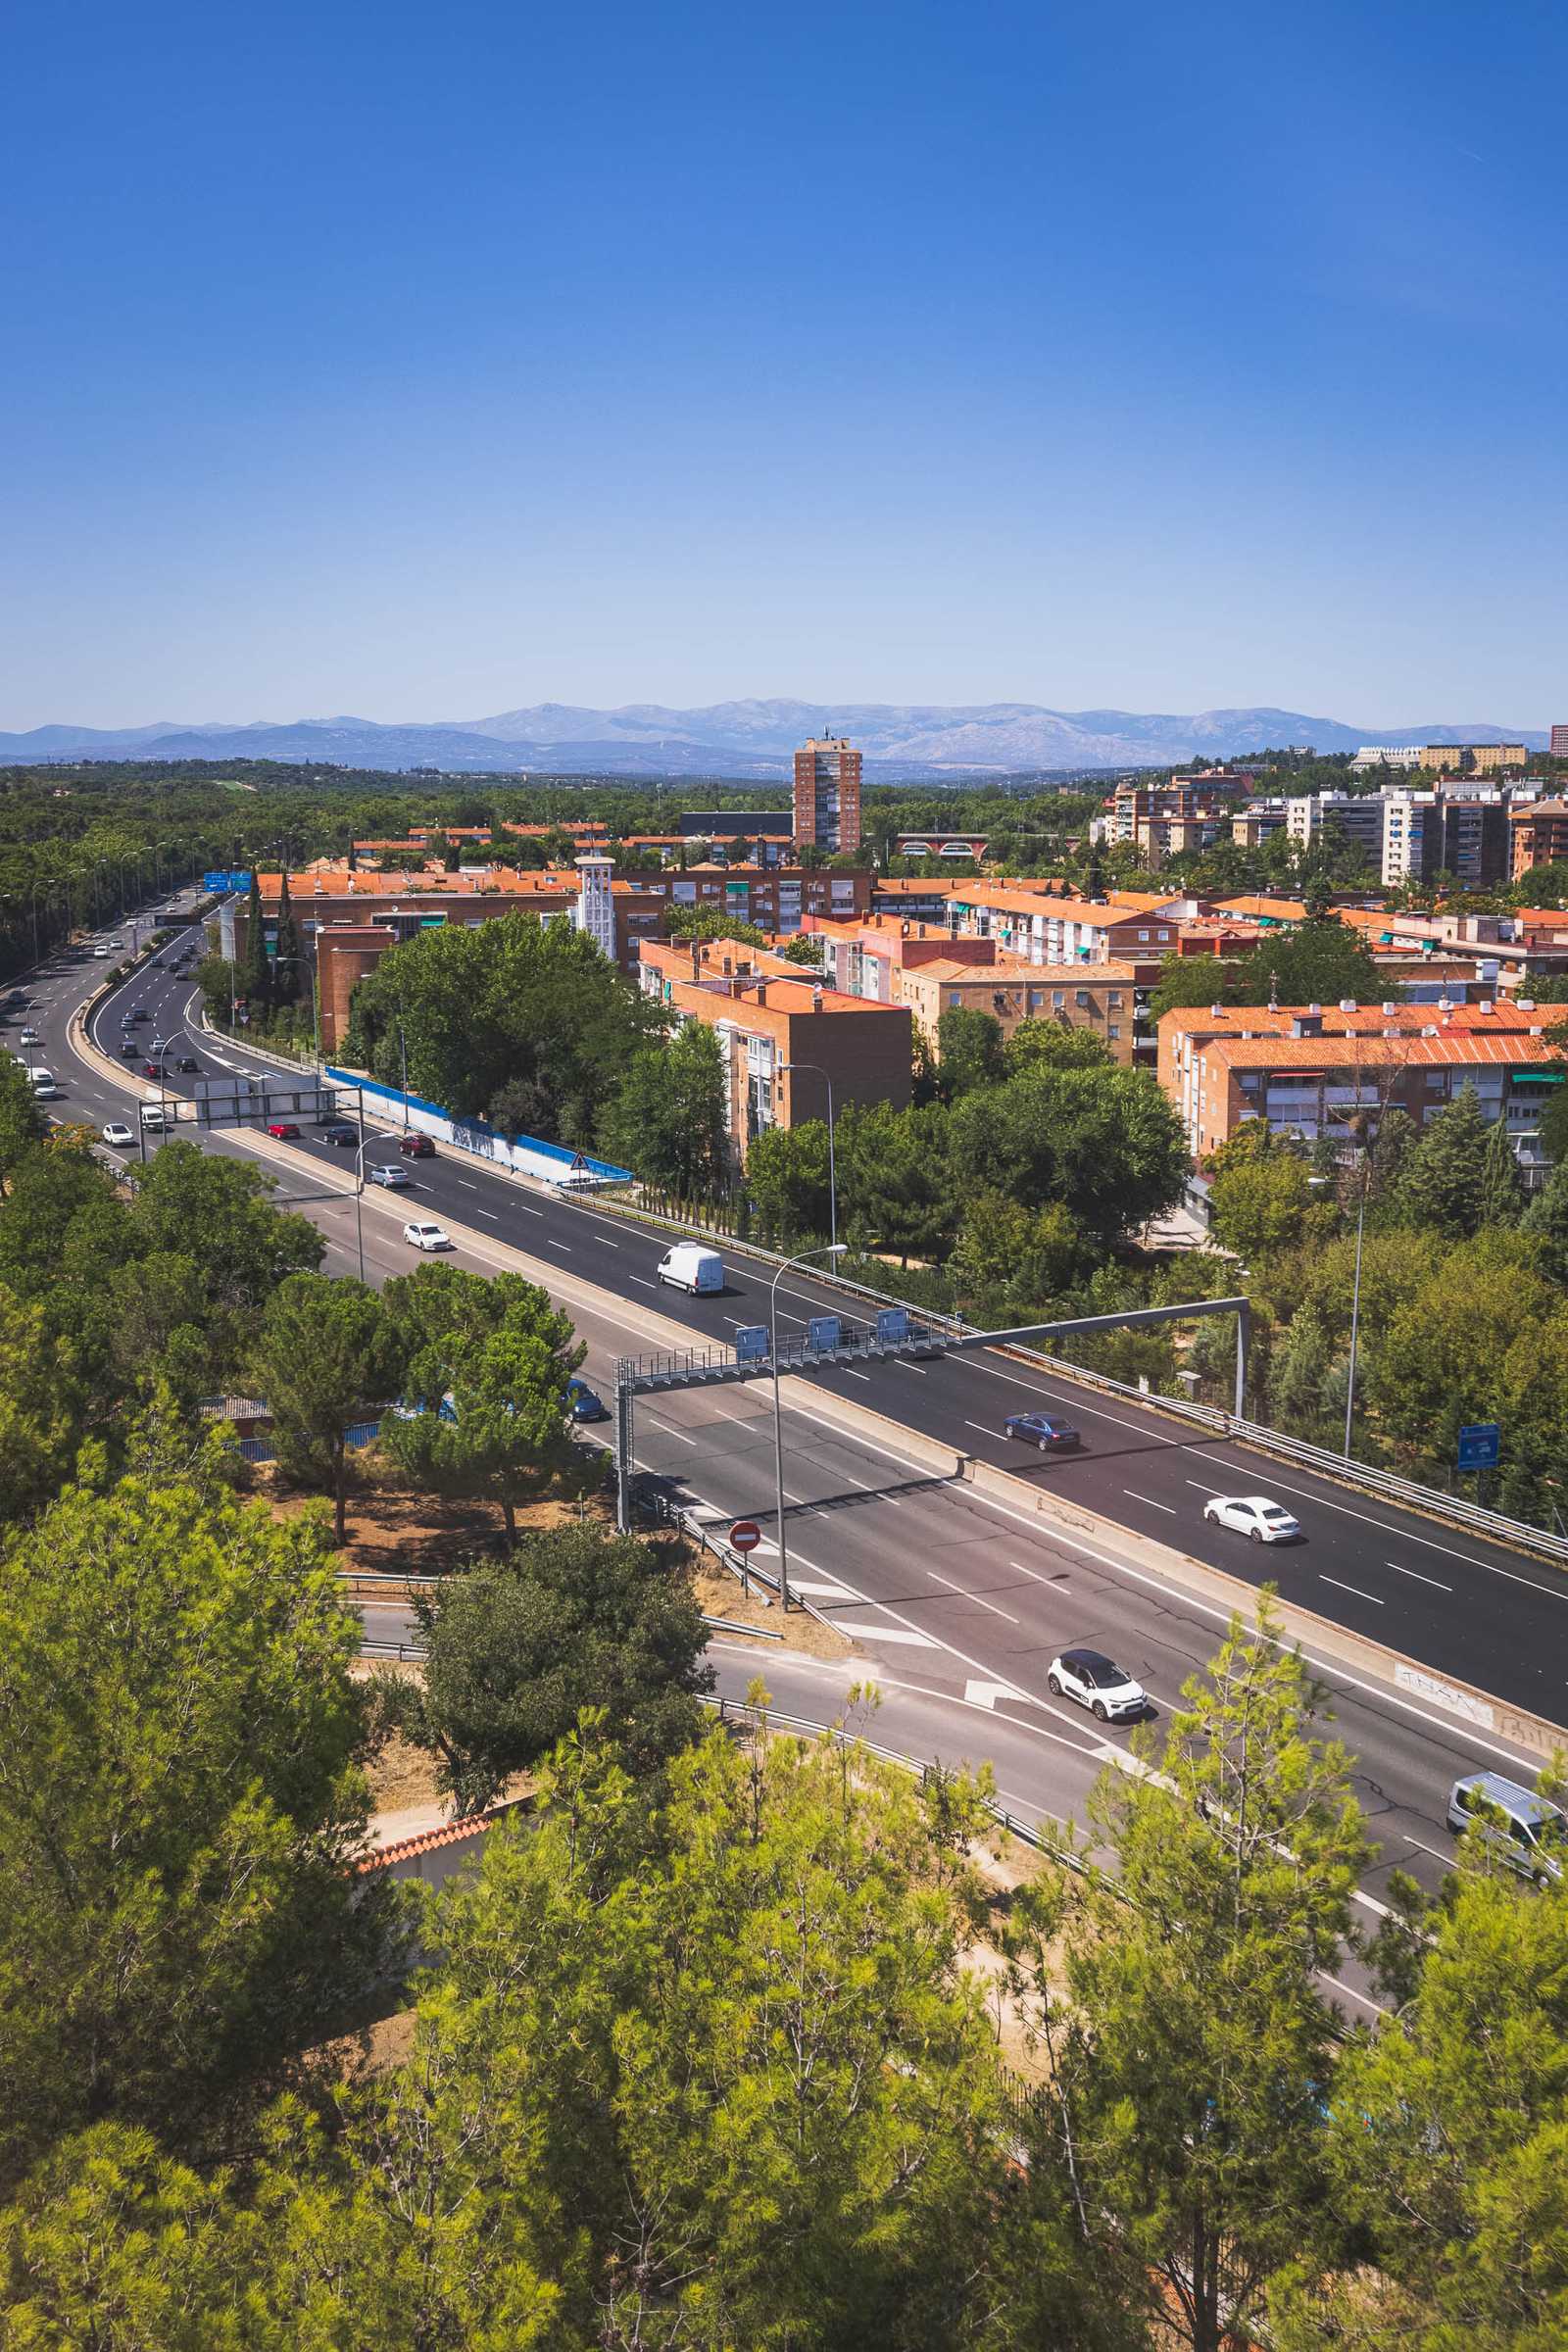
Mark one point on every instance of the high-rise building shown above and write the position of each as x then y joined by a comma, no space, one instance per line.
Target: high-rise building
1559,743
827,792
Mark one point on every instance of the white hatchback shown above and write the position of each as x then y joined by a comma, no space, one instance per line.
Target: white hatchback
1099,1683
1254,1515
119,1135
422,1236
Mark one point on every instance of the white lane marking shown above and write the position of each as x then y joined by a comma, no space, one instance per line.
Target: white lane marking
467,1186
1058,1584
800,1584
1095,1412
1355,1589
1437,1856
865,1376
551,1242
907,1367
1407,1534
735,1319
668,1427
985,1430
488,1212
1350,1993
1169,1509
888,1633
642,1279
1451,1725
966,1594
602,1238
1419,1578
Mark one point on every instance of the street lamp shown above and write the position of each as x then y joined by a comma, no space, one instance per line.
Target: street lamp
832,1170
833,1249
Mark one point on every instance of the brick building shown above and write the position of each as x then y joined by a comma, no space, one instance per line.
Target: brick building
767,1014
827,792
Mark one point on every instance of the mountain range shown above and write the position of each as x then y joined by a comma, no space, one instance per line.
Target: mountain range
920,741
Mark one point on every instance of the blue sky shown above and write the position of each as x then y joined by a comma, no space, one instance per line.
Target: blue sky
422,363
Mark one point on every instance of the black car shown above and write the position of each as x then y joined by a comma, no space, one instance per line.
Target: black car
340,1133
187,1066
1049,1431
130,1050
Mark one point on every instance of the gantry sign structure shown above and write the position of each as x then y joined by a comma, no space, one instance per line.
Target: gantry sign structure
892,1331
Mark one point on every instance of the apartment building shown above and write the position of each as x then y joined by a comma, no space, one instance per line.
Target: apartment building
1465,834
1162,821
1557,747
1259,821
1539,834
782,1032
827,792
1474,758
1357,818
1307,1069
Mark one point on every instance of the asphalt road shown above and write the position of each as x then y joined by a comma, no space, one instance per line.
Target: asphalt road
1479,1612
957,1602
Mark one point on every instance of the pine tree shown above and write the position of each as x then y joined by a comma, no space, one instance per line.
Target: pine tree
1547,1218
255,976
1443,1179
289,974
1502,1190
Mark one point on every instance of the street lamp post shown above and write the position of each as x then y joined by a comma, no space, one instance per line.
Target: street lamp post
834,1249
832,1167
1355,1307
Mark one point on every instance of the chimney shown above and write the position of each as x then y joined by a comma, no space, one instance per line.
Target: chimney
1486,1006
817,998
1315,1009
1388,1008
1347,1004
697,963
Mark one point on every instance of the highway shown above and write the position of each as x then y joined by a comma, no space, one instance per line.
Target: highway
957,1601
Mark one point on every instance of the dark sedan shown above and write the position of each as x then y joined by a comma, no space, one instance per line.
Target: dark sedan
1047,1430
341,1133
585,1403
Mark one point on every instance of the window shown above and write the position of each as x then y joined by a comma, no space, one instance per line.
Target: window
1058,999
955,998
1114,1029
1143,936
1081,999
1113,1000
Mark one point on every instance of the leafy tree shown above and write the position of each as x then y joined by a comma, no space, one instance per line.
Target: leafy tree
1435,1362
1036,1044
787,1179
514,1651
968,1051
1546,1218
22,1120
894,1175
668,1119
1262,1205
487,1367
1317,962
710,922
290,972
1443,1183
177,1742
1011,1258
805,947
1197,981
326,1355
1104,1141
1191,2052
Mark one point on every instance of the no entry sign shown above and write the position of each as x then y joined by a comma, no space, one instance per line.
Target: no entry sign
744,1536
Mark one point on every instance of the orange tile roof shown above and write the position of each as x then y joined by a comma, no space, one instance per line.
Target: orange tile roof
1282,911
1366,1020
1309,1053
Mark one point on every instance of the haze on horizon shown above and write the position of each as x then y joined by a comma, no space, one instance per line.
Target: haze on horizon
427,367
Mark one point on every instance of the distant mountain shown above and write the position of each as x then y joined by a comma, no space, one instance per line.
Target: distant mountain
921,741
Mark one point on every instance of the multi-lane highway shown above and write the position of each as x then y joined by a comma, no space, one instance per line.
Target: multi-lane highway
1478,1612
957,1601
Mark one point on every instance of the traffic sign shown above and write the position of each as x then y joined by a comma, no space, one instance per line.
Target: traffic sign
744,1536
1480,1445
750,1344
822,1334
893,1325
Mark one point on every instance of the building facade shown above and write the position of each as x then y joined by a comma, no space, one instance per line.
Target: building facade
827,794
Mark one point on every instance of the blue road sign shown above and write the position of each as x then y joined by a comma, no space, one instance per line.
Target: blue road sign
227,881
750,1344
1479,1444
893,1325
822,1334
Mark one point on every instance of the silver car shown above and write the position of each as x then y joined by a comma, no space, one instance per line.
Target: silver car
1521,1829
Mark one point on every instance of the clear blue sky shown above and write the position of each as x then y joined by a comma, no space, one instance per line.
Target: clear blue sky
422,363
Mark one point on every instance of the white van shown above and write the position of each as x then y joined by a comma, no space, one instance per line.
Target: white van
43,1081
689,1267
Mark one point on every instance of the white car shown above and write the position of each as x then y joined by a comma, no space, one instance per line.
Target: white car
119,1134
117,942
103,953
152,1115
422,1236
1254,1515
1099,1683
30,1036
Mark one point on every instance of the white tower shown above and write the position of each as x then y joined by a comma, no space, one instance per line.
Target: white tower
596,907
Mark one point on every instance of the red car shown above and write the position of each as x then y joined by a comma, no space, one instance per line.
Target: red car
417,1146
151,1069
285,1129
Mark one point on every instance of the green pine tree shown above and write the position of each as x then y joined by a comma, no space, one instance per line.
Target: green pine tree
255,975
289,972
1503,1188
1547,1217
1442,1179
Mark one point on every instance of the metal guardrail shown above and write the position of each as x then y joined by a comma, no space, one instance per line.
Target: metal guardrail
732,1625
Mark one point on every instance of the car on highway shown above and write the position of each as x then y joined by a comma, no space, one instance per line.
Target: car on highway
30,1037
130,1050
150,1069
139,1014
187,1066
689,1267
387,1172
1049,1431
1099,1683
159,1045
41,1078
415,1146
341,1133
284,1131
1254,1515
152,1115
117,1134
421,1235
102,952
1524,1830
117,942
585,1403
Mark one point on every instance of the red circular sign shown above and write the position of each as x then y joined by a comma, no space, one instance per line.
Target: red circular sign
744,1536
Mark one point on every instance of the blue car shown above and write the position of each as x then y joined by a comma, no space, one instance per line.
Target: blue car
1047,1430
583,1403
